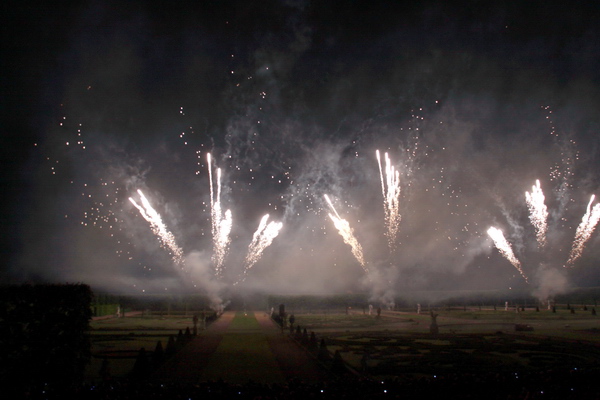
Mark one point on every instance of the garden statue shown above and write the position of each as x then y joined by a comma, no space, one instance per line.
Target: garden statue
433,328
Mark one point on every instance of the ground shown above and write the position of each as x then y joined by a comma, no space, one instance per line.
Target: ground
238,347
555,350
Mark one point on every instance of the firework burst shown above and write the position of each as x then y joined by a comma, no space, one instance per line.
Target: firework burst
262,238
158,227
538,212
538,215
390,189
221,222
505,249
345,231
584,231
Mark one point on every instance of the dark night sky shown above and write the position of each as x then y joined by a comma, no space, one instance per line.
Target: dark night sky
472,100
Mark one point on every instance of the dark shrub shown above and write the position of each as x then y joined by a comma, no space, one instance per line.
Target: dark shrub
43,334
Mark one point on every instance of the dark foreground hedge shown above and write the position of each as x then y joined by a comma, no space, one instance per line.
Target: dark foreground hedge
43,335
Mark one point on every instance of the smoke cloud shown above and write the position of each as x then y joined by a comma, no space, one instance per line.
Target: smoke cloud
293,101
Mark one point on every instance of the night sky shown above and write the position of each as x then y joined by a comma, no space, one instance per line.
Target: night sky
473,101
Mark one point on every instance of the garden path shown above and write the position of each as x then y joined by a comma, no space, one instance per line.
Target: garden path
238,353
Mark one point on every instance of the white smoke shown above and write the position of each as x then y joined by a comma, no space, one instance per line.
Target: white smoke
550,282
202,276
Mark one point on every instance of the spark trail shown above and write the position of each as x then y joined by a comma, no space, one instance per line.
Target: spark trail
158,227
221,222
505,249
262,238
538,212
345,231
584,231
390,189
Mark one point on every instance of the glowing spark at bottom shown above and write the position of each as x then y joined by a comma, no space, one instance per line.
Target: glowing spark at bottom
262,238
345,231
158,227
584,231
505,249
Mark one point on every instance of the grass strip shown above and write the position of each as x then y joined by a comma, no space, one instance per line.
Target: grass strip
242,357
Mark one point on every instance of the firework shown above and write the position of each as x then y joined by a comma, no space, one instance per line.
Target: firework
505,249
345,231
158,227
584,231
221,222
538,212
390,189
262,238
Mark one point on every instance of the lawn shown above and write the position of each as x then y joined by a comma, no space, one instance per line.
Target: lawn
244,321
346,321
244,356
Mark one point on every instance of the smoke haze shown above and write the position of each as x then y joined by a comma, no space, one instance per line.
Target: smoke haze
293,99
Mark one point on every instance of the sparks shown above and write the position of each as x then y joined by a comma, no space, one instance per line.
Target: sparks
584,231
390,189
345,231
221,222
505,249
538,212
158,227
262,238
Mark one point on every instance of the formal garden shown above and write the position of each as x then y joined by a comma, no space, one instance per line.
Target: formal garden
53,344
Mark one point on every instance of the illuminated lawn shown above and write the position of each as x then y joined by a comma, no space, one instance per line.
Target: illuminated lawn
243,321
